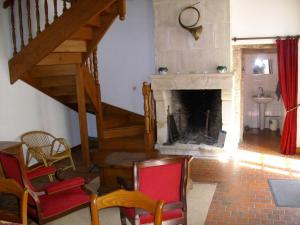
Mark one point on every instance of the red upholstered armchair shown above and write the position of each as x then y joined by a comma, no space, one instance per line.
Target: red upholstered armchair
51,201
161,179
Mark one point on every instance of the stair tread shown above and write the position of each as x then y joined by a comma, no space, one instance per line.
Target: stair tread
124,131
127,126
132,143
53,70
94,22
84,33
61,59
112,121
56,81
72,46
136,139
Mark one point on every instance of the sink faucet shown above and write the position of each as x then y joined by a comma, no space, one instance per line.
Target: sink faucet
260,92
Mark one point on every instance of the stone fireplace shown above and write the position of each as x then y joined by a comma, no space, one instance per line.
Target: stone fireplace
201,104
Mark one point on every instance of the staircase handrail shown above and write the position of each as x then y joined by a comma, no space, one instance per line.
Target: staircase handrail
39,43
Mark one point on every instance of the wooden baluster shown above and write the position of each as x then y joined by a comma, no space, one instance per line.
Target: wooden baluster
146,106
37,13
95,64
46,13
122,9
65,5
13,28
29,21
55,9
91,64
21,23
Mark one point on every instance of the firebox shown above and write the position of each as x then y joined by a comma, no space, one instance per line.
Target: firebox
197,115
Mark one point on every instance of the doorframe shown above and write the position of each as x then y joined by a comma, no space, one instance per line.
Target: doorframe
238,52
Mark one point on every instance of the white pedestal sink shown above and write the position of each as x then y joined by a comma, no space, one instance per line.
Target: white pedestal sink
262,101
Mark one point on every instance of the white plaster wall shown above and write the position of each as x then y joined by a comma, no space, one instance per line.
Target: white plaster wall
265,18
22,108
126,57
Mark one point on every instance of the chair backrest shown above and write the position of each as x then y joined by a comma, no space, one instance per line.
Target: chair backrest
164,178
34,139
10,186
39,143
13,167
128,199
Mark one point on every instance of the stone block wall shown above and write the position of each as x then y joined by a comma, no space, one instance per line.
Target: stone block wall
177,49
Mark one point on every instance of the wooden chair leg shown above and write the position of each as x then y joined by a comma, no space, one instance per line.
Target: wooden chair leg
72,163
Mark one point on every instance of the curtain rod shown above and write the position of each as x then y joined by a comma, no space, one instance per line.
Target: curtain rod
273,37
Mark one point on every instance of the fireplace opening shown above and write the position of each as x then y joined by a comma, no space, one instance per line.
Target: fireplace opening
197,115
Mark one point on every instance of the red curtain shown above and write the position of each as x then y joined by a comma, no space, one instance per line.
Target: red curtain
288,79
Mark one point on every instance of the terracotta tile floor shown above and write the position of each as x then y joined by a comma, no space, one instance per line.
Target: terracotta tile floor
243,195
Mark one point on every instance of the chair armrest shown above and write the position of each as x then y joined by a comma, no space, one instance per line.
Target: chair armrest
64,185
41,171
62,141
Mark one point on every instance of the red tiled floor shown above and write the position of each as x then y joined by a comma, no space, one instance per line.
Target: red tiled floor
243,195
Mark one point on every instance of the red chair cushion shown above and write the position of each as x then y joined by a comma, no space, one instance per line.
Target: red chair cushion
148,218
161,182
41,171
64,185
62,201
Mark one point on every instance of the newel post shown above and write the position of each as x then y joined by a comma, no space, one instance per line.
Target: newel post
149,135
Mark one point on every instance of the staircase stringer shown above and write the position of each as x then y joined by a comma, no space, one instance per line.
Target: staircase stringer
61,29
106,21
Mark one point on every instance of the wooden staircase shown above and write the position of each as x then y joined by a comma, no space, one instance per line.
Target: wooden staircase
61,61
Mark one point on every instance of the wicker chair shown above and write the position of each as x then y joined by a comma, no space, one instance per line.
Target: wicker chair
46,148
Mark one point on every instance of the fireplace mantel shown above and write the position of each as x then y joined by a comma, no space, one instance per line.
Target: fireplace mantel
162,85
192,81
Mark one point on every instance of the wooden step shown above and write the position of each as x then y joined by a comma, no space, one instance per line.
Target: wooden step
56,81
84,33
111,109
60,91
135,143
113,121
72,46
61,59
94,22
53,70
126,131
70,100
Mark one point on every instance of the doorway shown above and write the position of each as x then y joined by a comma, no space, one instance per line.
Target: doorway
259,103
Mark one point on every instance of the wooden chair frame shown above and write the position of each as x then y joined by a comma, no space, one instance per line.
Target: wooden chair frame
129,199
10,186
182,204
54,144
